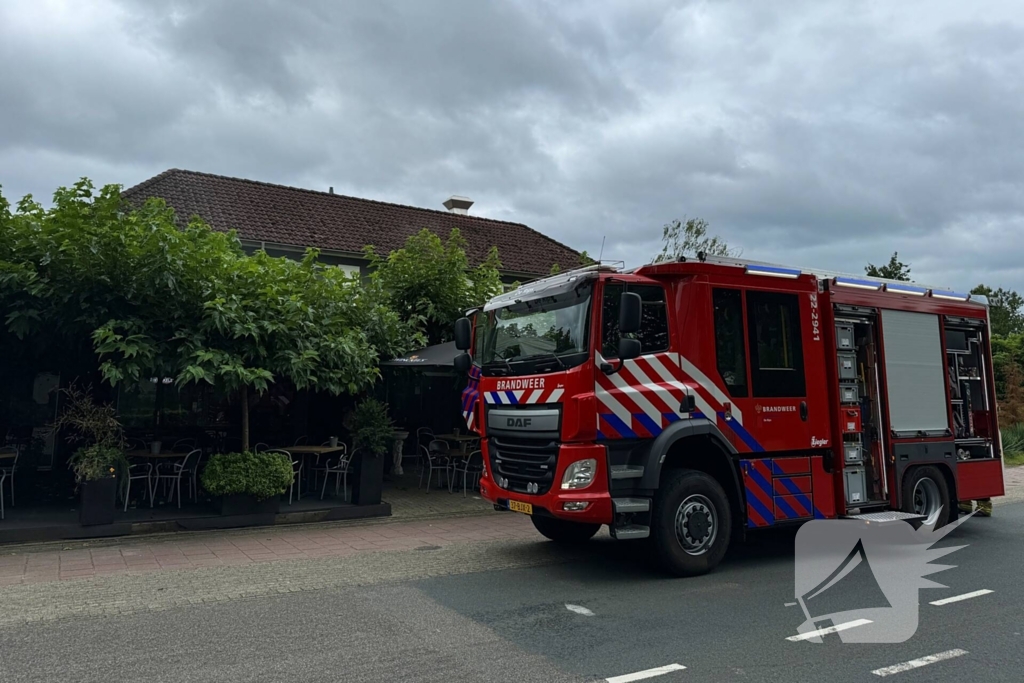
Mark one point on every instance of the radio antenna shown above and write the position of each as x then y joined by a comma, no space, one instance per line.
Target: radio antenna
601,253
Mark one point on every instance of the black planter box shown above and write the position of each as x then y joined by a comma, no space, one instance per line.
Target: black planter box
242,504
368,480
97,501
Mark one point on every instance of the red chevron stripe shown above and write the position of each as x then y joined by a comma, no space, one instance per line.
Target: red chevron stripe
652,396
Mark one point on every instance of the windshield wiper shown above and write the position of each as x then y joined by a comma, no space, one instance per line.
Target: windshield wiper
545,356
496,360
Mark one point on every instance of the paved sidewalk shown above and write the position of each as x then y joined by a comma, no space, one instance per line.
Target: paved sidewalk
1013,479
241,547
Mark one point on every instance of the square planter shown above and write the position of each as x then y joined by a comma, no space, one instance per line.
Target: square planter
242,504
369,479
97,501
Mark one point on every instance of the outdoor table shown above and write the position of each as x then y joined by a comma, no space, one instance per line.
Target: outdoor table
461,439
306,451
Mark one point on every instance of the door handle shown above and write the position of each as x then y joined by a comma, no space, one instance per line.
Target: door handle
803,410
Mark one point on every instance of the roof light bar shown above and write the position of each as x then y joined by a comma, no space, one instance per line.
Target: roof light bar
952,296
857,283
906,289
773,271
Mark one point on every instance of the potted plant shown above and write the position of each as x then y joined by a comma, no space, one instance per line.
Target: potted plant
248,483
373,433
100,460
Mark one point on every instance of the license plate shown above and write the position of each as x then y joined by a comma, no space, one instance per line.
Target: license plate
516,506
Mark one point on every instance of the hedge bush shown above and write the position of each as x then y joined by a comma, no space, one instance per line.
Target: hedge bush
262,475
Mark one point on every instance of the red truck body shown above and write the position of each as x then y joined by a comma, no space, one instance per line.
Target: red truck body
802,394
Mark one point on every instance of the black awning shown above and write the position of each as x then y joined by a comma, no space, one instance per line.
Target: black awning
441,355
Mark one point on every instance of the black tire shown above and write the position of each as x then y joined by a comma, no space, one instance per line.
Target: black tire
925,491
560,531
699,504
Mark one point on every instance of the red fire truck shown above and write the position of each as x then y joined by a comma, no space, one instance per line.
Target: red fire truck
690,402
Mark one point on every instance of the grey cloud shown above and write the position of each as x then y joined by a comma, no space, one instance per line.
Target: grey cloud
814,133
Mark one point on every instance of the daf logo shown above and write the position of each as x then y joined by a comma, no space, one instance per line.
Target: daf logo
518,422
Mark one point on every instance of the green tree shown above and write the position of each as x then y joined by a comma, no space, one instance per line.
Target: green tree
430,282
158,300
1005,309
689,239
893,270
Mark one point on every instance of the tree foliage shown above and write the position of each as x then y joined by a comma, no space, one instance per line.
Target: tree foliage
430,283
156,299
1005,309
893,270
688,239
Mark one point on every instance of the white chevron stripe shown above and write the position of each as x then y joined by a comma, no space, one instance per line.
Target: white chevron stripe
712,388
664,390
555,395
635,393
519,395
534,395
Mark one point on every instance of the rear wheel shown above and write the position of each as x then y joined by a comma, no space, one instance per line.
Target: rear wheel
561,531
691,523
925,492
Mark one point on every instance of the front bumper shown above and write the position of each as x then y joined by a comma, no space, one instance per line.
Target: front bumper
597,496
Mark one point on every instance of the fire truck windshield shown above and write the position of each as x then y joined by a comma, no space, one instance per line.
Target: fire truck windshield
537,335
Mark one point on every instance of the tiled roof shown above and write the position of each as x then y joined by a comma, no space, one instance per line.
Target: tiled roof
306,218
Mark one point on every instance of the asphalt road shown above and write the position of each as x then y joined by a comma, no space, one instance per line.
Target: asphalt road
513,624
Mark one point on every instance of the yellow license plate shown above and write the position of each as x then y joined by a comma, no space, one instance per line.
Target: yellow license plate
516,506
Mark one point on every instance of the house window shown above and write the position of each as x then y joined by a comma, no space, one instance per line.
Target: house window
776,364
653,334
730,354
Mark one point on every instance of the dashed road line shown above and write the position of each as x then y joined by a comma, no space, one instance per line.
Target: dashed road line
965,596
789,604
647,673
829,629
579,609
917,663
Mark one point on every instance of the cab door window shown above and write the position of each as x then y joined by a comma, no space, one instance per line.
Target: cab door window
730,351
776,352
653,333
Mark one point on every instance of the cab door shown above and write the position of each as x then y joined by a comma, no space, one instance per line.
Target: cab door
774,373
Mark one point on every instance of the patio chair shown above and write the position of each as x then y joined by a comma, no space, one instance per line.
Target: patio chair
296,473
339,469
8,466
185,444
301,441
172,475
260,447
473,466
319,468
135,444
435,457
142,470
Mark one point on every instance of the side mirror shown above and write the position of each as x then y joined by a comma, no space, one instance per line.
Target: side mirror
629,348
629,313
463,332
462,362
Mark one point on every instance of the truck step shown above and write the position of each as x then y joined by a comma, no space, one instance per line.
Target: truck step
631,504
886,516
630,532
627,471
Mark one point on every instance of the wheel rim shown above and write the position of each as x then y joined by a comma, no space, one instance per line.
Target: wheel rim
927,500
696,525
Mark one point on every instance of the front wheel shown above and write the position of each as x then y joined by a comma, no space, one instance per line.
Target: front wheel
691,523
560,531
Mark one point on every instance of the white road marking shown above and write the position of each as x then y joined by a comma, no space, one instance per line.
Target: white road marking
579,609
789,604
916,663
958,598
649,673
830,629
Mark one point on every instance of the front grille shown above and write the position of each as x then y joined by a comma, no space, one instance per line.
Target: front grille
523,462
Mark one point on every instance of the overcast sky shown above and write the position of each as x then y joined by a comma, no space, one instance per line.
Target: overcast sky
814,133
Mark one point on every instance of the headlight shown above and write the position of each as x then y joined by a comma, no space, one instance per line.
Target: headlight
579,474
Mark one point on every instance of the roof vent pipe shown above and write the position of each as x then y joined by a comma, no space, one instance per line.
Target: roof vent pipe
330,190
457,204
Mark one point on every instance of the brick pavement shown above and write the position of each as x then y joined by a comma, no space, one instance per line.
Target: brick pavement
243,547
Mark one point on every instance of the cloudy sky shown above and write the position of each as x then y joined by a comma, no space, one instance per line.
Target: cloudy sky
809,132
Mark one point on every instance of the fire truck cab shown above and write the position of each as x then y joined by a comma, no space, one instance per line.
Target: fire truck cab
690,402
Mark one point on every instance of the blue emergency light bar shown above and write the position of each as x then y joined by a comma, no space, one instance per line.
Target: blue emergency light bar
906,289
773,271
952,296
857,283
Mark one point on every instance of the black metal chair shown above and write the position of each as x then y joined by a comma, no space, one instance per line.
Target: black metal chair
339,469
473,466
